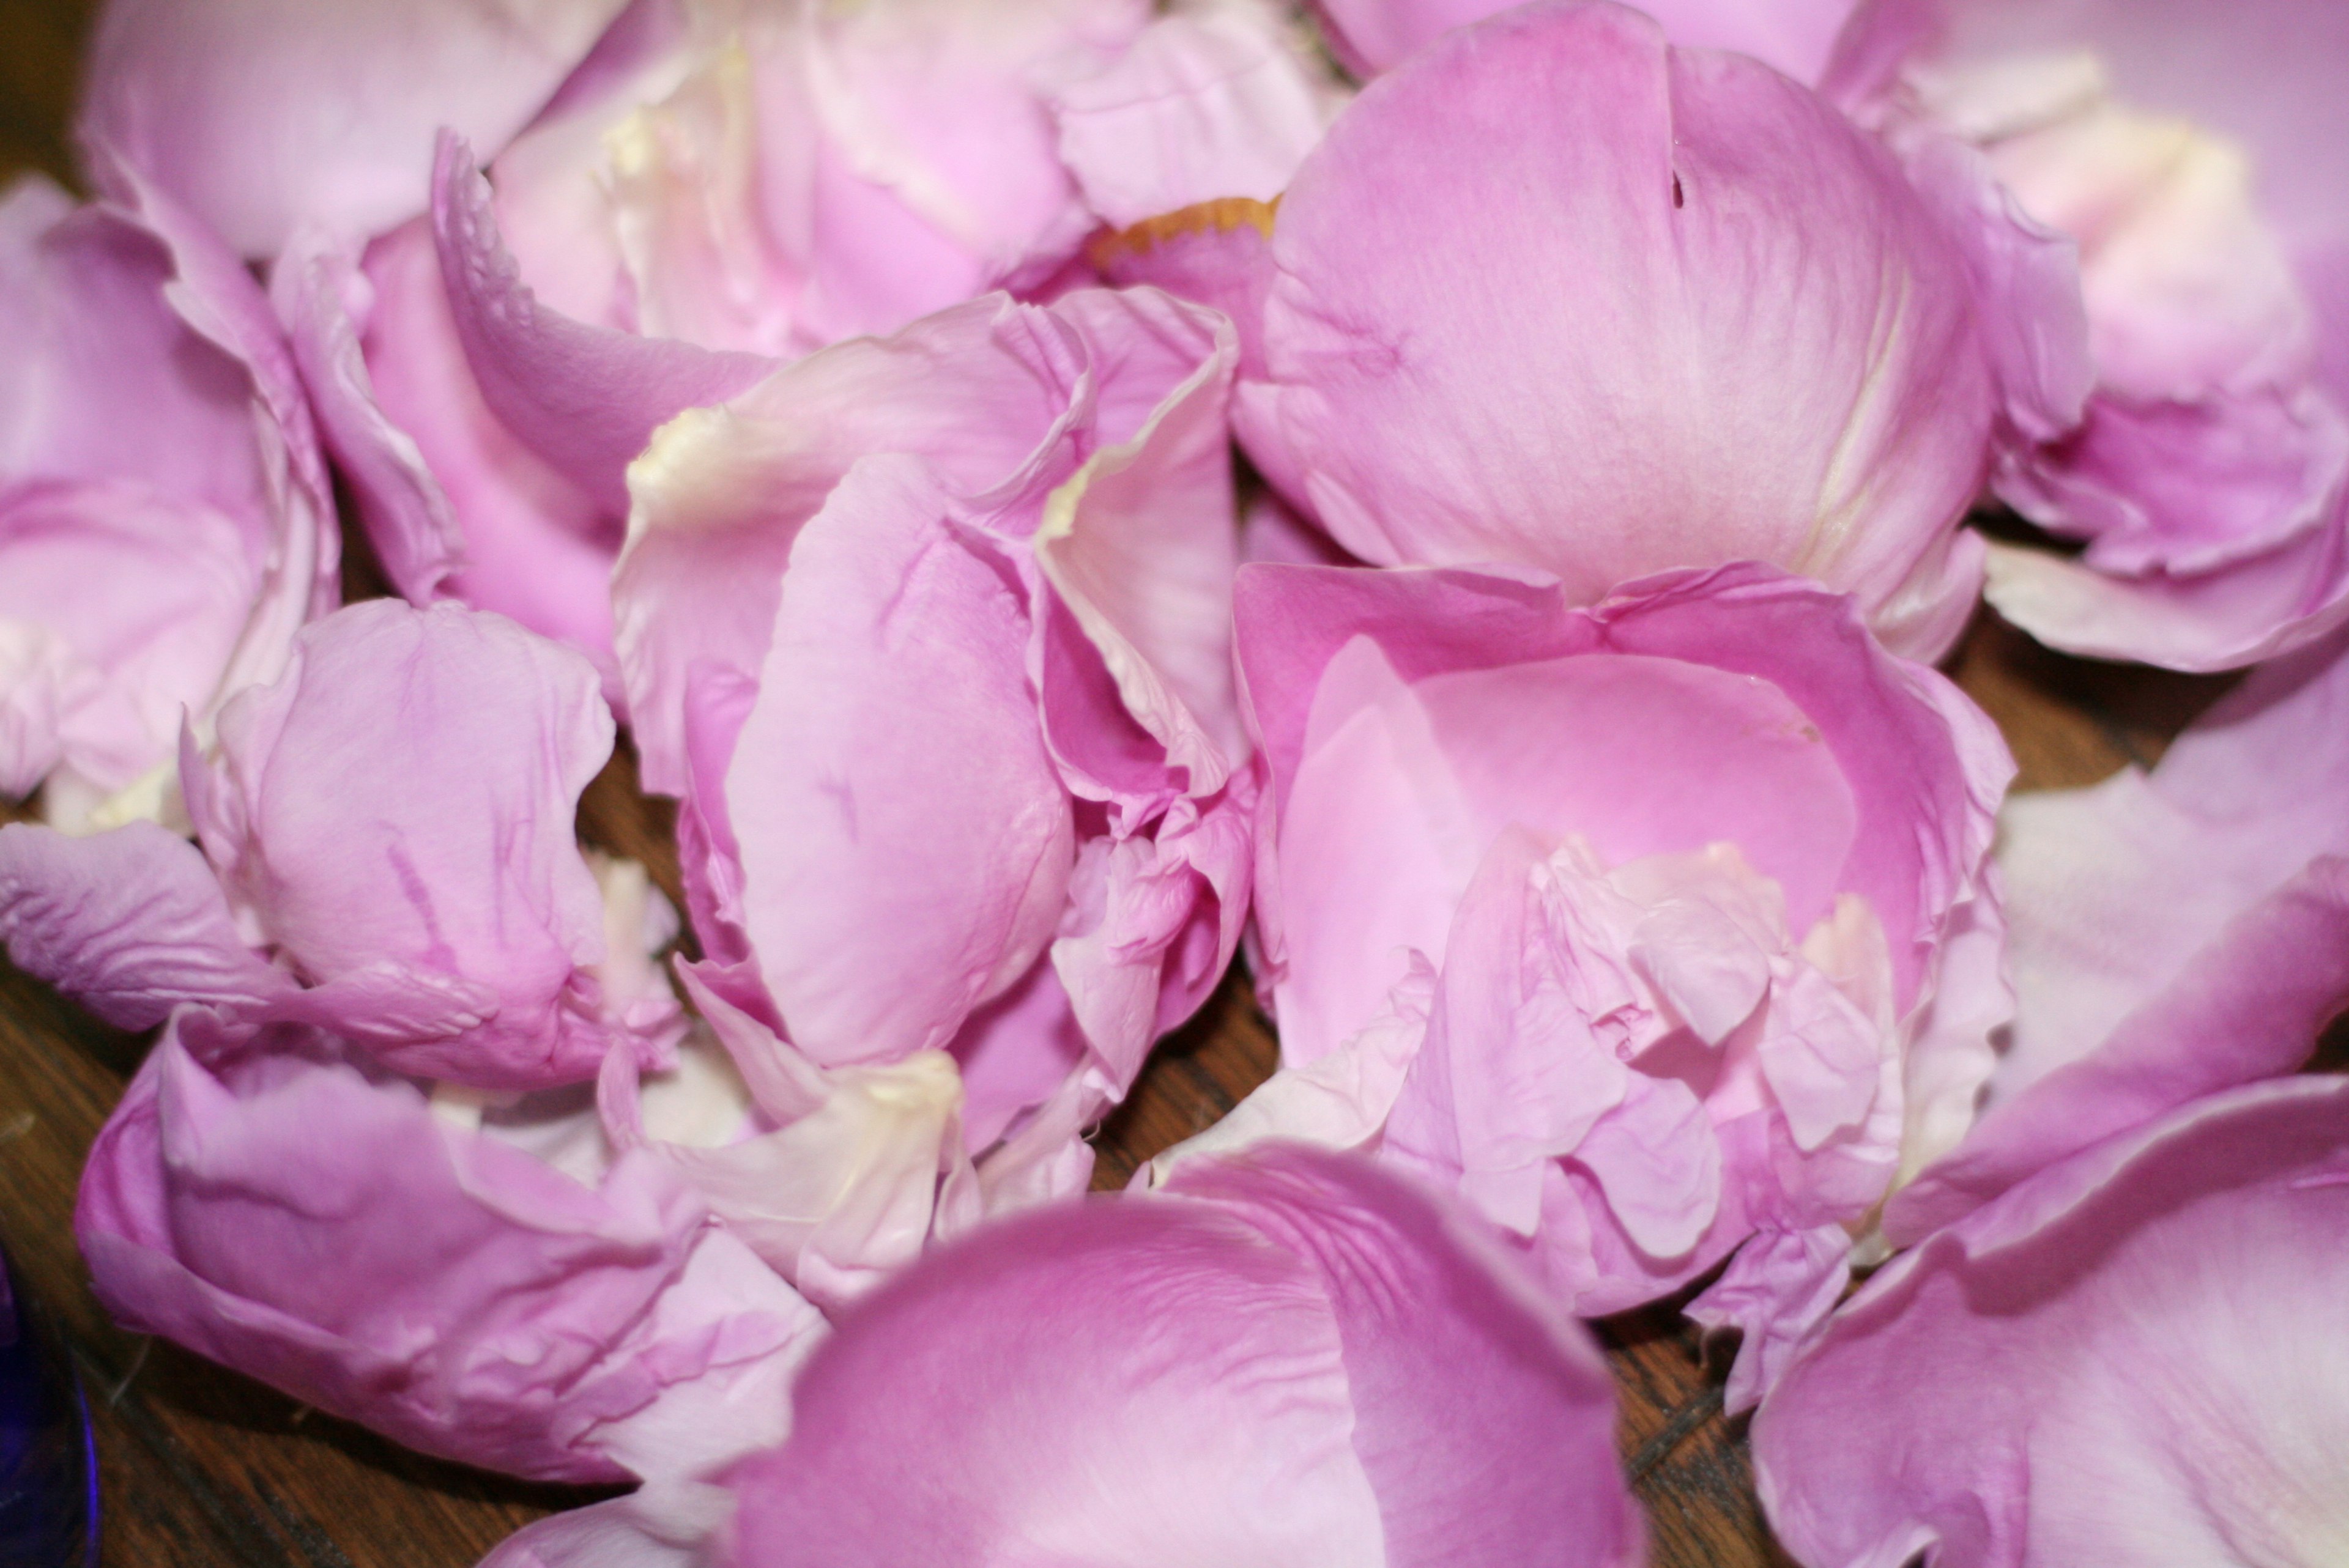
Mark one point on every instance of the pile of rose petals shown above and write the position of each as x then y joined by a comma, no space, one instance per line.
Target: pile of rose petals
840,400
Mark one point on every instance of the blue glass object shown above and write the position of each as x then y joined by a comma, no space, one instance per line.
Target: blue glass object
48,1467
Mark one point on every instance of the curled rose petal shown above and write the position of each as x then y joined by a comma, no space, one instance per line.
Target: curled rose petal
388,852
711,195
843,577
2132,1357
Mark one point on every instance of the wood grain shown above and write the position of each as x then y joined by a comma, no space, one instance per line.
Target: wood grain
204,1468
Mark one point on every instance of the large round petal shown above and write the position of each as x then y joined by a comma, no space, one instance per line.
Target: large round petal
1558,295
1796,37
1285,1359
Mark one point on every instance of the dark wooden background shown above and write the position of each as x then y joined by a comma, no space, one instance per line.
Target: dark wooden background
204,1468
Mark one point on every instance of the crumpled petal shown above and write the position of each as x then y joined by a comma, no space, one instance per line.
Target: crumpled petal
1634,1023
327,1232
258,114
1781,1286
441,906
2130,1357
156,456
1664,364
1309,1344
2174,934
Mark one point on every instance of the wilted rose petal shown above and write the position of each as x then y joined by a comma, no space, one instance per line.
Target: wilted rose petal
1655,929
1557,295
290,1214
2190,150
2175,932
2132,1357
165,520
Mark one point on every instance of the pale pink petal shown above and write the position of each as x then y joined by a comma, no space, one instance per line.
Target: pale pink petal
2173,934
787,443
1744,1004
886,898
1214,101
653,1527
584,398
2190,152
258,114
1139,549
2128,1358
154,439
1796,37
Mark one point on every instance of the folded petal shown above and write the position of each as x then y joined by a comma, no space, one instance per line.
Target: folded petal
121,608
584,398
1779,1287
883,906
157,451
2208,470
2064,1375
1138,544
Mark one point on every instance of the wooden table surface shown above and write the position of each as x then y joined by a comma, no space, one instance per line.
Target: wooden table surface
201,1467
